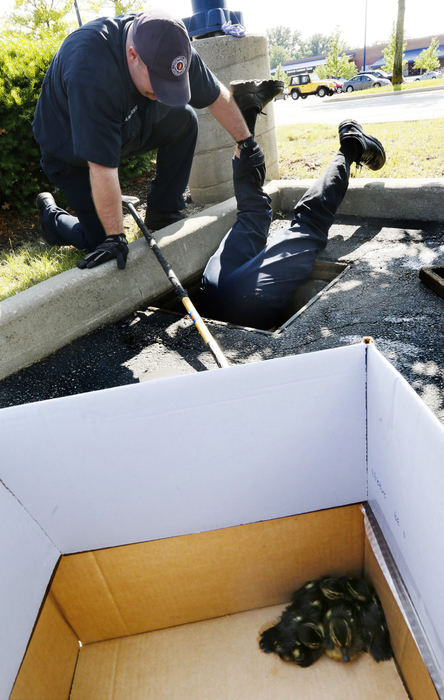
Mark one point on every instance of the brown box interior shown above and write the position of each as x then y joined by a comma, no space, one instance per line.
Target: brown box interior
181,618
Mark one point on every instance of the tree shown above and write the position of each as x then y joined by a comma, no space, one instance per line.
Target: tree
278,56
337,64
428,59
389,54
316,45
287,39
398,63
41,17
280,74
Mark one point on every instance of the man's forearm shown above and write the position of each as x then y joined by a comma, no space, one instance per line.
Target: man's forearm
107,197
228,114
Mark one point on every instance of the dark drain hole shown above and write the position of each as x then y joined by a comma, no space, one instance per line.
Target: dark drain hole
324,274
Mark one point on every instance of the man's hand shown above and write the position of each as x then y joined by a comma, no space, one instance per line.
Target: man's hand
112,247
252,159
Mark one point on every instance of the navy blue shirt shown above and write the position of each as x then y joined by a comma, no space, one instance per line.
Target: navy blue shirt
89,108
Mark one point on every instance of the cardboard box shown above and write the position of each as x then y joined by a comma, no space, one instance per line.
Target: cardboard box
165,524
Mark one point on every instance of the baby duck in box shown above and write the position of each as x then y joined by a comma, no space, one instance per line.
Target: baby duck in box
341,616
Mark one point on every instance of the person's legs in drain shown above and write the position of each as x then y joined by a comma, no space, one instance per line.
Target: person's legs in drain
248,236
257,291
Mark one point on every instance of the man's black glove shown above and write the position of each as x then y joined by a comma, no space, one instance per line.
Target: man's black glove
115,246
252,159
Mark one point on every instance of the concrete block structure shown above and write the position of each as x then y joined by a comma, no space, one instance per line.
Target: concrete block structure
230,58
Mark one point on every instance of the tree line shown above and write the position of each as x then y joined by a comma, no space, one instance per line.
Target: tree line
287,45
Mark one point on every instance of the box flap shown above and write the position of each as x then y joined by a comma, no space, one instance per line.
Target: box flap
406,490
27,560
192,453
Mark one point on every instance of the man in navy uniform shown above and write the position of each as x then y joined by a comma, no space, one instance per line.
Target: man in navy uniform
251,277
119,87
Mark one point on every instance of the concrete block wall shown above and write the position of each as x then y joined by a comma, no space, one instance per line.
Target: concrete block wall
230,58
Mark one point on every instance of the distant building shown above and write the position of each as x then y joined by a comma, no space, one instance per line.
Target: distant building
374,57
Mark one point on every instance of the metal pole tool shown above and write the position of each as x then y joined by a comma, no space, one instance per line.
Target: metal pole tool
178,288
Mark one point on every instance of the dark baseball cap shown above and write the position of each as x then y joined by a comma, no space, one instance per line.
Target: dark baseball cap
163,45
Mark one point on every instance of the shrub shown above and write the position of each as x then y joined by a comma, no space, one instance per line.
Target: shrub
23,64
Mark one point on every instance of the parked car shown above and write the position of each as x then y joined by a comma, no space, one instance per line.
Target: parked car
377,73
339,82
362,81
283,96
429,75
306,84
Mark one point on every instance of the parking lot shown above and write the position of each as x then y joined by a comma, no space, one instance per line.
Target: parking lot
401,106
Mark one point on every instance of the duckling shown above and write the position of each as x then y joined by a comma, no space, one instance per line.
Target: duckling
299,626
311,635
333,588
340,615
358,590
375,631
343,641
302,656
307,601
283,641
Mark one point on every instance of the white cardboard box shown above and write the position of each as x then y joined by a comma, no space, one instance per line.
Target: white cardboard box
206,453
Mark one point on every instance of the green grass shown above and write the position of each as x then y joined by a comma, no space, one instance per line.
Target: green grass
414,149
31,263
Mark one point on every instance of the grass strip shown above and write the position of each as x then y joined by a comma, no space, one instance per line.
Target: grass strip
31,263
414,149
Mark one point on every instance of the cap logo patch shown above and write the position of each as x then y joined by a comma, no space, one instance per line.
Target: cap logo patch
179,66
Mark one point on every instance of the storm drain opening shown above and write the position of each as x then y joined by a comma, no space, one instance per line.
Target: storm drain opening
323,276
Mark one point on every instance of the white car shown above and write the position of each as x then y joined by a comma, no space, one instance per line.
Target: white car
429,75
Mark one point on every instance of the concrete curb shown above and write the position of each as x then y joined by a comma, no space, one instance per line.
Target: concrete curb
400,199
48,316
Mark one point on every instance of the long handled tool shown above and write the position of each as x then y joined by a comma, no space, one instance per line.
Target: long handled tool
180,291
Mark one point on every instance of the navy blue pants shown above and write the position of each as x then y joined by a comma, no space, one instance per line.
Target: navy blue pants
250,280
173,131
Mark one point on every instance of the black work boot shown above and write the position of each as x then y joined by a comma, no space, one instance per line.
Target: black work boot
251,96
155,220
366,150
43,200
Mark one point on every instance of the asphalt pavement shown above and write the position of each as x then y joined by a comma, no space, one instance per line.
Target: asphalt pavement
388,107
380,294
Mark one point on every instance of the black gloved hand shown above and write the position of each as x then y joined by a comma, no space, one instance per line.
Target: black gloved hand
115,246
253,159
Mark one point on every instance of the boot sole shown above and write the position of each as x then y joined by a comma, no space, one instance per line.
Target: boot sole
378,159
252,87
